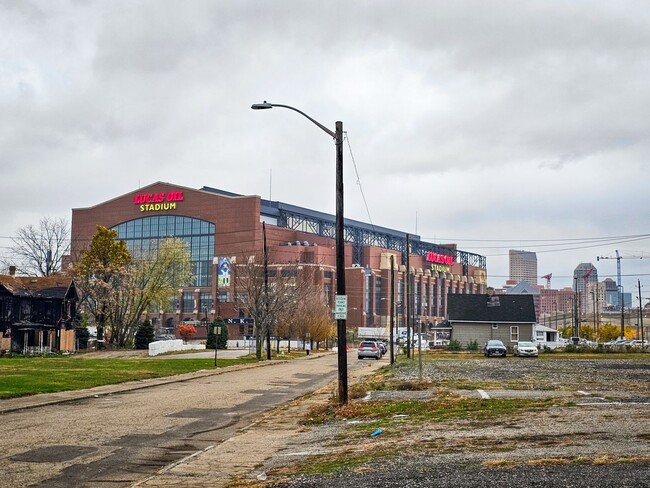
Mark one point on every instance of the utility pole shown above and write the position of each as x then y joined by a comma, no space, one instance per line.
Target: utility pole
341,332
594,300
641,314
407,282
576,318
266,295
622,314
392,308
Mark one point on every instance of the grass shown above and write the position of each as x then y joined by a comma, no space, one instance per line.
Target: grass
331,464
445,407
21,376
594,460
398,419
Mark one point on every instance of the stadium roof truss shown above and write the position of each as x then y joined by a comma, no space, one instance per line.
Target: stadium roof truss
358,233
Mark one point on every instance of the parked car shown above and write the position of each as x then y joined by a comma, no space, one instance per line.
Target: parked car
383,346
369,349
166,337
526,349
494,348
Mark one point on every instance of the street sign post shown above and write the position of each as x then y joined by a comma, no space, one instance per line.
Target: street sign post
216,330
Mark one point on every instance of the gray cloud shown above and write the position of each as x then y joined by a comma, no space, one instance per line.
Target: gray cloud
490,120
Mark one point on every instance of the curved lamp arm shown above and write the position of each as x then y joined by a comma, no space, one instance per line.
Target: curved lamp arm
267,105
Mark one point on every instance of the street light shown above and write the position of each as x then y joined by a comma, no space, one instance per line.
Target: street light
340,244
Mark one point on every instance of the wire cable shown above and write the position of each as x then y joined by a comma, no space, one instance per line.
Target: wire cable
354,164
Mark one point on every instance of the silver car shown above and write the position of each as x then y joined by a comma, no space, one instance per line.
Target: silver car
526,348
369,349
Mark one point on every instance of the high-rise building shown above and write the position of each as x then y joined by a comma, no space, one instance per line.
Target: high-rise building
523,266
584,276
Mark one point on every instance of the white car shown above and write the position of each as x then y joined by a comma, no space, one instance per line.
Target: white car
526,348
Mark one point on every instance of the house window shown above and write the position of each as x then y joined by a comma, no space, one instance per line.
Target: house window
514,333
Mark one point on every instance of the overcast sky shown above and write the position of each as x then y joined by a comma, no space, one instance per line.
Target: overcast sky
493,124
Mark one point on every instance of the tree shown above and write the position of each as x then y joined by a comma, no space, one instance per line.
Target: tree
117,288
566,331
82,335
81,332
220,340
305,312
153,278
608,332
99,273
144,335
186,331
37,251
265,300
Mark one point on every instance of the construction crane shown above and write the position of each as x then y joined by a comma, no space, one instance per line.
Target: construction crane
620,284
548,277
618,269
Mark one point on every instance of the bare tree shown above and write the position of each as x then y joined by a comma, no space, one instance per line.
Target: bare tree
264,294
289,303
37,251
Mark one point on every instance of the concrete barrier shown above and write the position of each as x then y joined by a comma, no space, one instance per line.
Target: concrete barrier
161,347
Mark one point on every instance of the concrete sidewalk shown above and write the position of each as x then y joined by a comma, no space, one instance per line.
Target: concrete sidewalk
44,399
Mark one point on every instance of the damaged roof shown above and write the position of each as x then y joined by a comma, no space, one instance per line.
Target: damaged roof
55,286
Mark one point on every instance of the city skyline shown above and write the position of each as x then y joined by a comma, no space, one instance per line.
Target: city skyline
493,127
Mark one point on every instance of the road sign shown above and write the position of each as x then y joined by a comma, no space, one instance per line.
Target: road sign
341,307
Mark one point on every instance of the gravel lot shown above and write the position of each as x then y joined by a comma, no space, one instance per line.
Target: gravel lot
595,431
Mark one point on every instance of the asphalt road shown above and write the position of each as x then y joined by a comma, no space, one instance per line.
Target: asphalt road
118,439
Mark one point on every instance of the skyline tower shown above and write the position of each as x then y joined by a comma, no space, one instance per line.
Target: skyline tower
523,266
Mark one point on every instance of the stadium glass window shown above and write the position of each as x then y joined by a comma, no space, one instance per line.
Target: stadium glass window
143,234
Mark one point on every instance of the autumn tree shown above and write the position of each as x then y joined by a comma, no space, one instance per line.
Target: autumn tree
37,251
117,288
306,312
313,320
99,273
186,331
152,278
608,332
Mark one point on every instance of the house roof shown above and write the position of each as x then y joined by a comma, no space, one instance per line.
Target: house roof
522,288
543,328
56,286
491,309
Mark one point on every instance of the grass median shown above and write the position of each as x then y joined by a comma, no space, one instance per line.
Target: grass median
21,376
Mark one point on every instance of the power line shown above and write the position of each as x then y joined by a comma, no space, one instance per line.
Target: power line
546,240
354,163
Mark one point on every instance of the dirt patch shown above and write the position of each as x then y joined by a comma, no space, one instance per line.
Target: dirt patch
579,428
